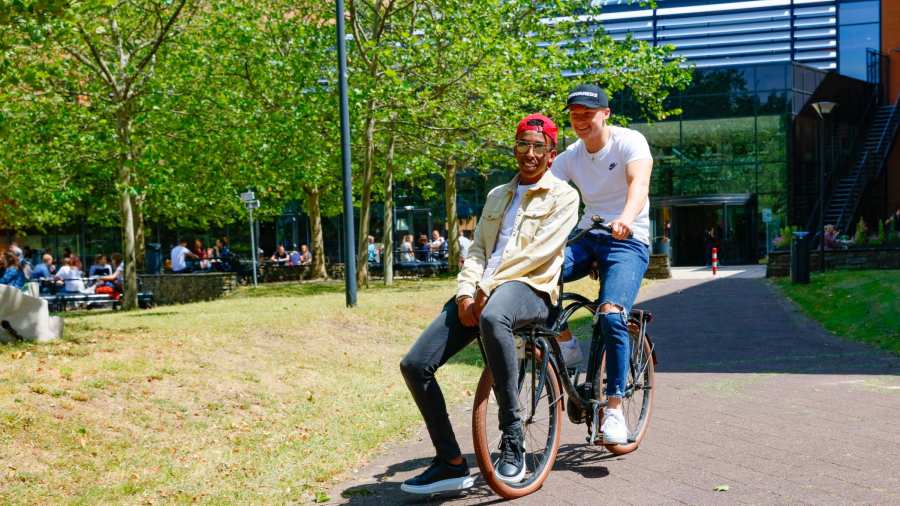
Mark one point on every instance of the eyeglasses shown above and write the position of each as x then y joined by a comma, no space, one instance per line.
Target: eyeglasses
522,148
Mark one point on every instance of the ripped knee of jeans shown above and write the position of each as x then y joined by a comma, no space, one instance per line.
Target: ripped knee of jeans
609,307
612,319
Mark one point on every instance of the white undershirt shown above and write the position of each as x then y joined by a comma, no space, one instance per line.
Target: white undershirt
506,230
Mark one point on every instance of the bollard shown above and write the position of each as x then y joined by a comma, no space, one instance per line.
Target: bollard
715,260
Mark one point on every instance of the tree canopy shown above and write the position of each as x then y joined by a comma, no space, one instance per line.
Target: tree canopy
120,112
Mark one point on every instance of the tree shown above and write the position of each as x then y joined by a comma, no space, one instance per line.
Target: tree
277,56
107,54
446,79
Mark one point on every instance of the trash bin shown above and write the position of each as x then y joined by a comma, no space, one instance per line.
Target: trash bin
800,257
153,258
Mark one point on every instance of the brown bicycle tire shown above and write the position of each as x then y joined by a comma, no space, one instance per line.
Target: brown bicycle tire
480,442
623,449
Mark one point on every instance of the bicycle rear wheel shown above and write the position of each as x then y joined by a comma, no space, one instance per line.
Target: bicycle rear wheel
637,404
540,426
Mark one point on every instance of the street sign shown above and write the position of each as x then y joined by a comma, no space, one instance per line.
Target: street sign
253,204
248,196
767,215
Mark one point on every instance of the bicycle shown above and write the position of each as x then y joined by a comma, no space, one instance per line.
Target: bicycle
543,388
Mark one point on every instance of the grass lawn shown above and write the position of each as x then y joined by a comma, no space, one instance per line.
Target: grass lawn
263,397
860,305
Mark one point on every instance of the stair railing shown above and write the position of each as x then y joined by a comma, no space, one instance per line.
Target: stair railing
835,174
856,195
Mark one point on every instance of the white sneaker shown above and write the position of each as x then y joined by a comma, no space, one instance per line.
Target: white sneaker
614,430
571,352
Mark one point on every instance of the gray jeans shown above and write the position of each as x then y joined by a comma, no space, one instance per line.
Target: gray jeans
511,306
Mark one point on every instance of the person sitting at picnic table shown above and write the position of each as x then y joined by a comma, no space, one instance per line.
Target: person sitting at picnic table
423,249
45,269
280,256
407,250
372,250
179,256
71,276
14,247
436,245
100,267
305,255
12,274
117,279
200,252
25,262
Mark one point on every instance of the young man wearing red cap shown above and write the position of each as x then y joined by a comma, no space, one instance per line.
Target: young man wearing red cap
611,167
509,280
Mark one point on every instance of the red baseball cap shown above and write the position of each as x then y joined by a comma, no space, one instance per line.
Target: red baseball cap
538,123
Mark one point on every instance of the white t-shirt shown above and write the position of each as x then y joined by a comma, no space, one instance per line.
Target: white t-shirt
178,255
71,277
506,229
464,243
601,179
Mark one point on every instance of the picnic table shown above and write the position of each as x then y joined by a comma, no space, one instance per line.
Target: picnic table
59,300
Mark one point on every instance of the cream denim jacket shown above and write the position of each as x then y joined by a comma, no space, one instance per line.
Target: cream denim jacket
534,253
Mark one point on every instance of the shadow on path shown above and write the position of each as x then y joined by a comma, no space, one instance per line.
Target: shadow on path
735,325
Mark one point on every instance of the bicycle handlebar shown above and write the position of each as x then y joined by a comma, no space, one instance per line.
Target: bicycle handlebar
596,224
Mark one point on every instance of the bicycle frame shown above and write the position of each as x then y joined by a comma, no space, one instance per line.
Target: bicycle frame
544,339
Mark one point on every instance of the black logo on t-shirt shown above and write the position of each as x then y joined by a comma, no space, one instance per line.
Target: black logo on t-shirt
612,166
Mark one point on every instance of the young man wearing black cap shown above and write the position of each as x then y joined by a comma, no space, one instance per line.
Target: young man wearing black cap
509,280
611,167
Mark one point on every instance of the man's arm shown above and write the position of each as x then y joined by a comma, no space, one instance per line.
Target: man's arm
637,174
550,238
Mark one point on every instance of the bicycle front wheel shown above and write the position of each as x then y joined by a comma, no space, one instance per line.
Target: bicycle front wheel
541,417
637,404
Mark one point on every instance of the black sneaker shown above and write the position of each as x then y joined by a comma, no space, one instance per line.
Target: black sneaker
510,467
440,477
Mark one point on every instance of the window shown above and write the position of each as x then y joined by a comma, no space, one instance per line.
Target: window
858,31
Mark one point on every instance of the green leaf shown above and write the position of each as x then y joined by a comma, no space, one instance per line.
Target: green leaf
721,488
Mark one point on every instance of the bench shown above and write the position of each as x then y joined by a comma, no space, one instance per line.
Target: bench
61,301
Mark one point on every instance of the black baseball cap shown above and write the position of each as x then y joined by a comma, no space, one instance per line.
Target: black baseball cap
588,95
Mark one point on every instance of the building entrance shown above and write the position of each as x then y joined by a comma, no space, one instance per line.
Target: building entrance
689,227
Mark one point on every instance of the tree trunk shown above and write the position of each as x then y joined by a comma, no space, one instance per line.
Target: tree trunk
123,134
318,243
365,204
387,259
139,239
452,221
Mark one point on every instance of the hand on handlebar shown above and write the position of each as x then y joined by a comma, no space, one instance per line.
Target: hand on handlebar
620,229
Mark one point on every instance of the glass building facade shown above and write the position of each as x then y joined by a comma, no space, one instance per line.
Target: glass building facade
738,142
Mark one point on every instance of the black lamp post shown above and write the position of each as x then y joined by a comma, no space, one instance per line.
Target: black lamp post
349,245
823,109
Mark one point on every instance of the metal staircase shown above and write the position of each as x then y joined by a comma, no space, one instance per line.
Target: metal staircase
849,189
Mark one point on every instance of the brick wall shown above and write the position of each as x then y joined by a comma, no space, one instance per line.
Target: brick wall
857,258
184,288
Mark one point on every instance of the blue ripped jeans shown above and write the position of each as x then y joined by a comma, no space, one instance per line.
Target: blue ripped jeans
621,265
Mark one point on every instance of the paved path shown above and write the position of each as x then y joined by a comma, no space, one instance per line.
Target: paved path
751,394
